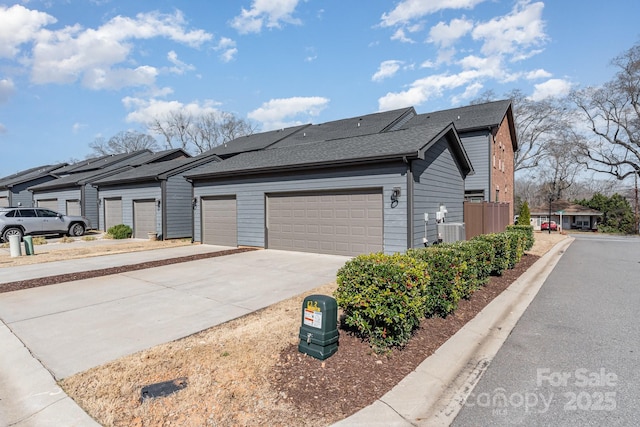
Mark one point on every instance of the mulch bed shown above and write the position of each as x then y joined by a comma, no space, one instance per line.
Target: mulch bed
69,277
356,376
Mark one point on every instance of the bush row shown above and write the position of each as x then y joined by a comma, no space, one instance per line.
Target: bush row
384,297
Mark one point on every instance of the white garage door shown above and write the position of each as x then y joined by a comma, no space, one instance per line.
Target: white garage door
340,223
49,204
4,202
144,218
219,221
112,212
73,207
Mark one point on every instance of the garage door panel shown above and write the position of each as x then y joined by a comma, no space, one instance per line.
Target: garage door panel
342,222
144,218
219,221
73,207
4,202
112,212
49,204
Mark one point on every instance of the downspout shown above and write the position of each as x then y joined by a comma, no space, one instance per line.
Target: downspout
193,212
163,211
409,202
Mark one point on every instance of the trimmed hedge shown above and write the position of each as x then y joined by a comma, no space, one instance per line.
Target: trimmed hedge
527,230
384,297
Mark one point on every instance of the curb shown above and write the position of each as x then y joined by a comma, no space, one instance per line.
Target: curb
436,391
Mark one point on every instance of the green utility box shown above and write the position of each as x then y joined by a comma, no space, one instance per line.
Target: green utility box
319,330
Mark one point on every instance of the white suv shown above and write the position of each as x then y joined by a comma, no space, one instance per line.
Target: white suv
21,221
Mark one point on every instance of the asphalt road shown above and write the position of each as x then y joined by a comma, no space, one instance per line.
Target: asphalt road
573,358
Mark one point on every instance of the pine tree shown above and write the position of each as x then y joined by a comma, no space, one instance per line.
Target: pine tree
525,215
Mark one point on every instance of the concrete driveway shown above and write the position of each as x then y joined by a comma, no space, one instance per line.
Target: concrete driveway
71,327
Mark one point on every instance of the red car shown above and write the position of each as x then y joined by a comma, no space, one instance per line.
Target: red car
545,226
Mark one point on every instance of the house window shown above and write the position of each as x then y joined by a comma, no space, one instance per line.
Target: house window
474,196
497,195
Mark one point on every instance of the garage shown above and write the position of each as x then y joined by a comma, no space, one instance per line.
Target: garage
219,221
144,218
112,212
48,204
4,202
73,207
337,222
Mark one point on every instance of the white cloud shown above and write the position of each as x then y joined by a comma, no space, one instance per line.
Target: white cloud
228,48
387,69
146,110
279,113
552,88
538,74
521,29
409,10
269,13
446,35
19,25
179,67
77,127
470,92
401,36
7,89
92,55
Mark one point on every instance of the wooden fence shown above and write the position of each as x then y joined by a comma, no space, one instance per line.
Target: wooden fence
485,218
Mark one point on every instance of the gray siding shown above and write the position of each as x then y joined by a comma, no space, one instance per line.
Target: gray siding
437,180
62,196
21,196
90,205
478,147
179,212
129,193
250,195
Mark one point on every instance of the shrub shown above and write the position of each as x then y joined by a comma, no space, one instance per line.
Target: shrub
448,282
383,297
120,231
500,244
527,230
516,242
479,255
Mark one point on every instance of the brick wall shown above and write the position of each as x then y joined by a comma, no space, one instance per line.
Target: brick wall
502,173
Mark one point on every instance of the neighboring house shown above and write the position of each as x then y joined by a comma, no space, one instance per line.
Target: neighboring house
73,194
14,189
488,134
574,216
347,187
152,198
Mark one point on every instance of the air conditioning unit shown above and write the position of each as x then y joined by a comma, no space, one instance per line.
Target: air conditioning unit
451,232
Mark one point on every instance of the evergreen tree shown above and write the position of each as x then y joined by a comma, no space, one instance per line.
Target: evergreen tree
525,215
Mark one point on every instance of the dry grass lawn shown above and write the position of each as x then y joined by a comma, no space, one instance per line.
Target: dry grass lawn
227,367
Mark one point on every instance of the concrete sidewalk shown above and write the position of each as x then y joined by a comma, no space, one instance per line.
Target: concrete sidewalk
64,329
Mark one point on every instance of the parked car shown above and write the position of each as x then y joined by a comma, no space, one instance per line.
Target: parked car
545,226
28,221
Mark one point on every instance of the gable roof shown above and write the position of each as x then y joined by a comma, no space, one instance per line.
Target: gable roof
567,207
471,117
77,179
154,171
161,156
101,162
404,143
346,128
256,141
29,175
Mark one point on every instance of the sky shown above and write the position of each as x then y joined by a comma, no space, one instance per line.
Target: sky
72,71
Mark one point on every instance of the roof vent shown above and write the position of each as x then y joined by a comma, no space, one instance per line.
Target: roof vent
358,124
458,117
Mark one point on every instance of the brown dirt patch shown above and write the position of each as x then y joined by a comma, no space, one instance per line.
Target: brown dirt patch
249,372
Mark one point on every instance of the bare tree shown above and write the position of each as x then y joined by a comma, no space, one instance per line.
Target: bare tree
537,125
200,133
123,142
613,115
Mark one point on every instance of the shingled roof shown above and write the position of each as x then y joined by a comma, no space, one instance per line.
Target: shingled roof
346,128
29,175
155,171
404,143
101,162
471,117
256,141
